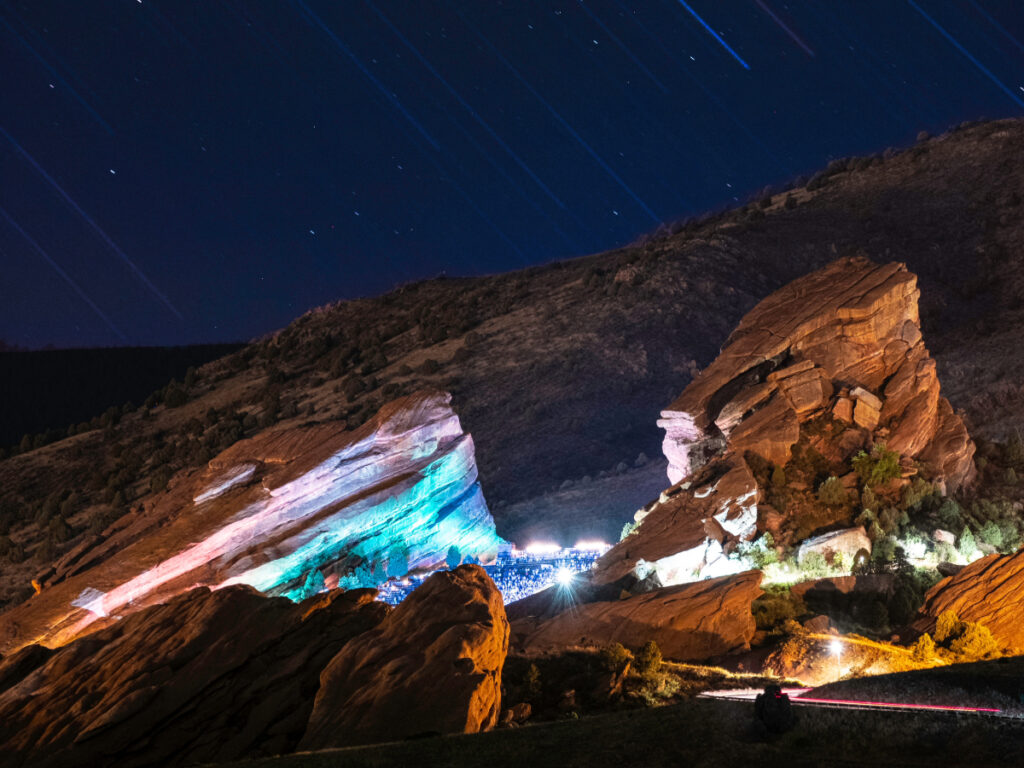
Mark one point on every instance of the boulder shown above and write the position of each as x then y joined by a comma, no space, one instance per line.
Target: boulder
847,542
689,622
833,362
281,512
989,591
432,666
208,677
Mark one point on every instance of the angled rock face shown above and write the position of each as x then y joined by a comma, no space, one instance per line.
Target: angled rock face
208,677
989,591
281,512
433,666
853,324
689,622
840,347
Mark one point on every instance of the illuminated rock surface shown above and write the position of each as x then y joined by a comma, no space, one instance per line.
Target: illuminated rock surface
835,360
208,677
989,591
689,622
282,512
432,666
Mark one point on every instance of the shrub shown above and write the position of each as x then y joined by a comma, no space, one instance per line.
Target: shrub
627,529
966,544
175,396
761,553
1015,450
648,659
429,366
877,467
531,683
924,648
947,626
615,657
974,642
991,534
831,492
951,515
814,566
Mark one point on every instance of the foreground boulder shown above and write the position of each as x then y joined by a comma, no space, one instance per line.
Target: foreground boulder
829,365
689,622
284,512
989,591
432,666
208,677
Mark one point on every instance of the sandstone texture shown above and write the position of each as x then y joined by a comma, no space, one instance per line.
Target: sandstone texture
689,622
833,363
282,512
432,666
847,542
989,591
207,677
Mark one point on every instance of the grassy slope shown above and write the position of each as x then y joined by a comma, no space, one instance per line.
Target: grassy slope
700,733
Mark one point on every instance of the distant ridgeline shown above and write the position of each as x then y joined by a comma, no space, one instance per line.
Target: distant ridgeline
54,389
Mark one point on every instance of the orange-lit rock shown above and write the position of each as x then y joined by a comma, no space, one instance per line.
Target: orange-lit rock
989,591
689,622
835,359
432,666
209,677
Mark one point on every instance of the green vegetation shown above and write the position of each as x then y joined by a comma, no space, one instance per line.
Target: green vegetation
877,467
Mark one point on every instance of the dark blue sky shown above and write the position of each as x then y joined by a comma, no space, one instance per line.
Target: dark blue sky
178,172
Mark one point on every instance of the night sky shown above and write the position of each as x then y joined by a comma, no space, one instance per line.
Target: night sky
176,172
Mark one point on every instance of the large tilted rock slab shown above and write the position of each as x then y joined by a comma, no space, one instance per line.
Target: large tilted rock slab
834,360
853,324
989,591
281,512
433,666
689,622
208,677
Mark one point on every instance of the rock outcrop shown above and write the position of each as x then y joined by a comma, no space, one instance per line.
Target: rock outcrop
689,622
432,666
283,512
989,591
832,363
207,677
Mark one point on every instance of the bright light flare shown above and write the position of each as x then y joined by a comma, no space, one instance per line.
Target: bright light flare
564,577
836,647
592,545
542,548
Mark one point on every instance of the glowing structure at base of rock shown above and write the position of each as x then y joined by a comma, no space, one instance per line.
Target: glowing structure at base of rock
286,512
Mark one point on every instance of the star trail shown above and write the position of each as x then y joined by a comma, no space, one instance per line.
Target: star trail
191,172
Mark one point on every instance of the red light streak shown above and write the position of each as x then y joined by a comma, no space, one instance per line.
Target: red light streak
892,705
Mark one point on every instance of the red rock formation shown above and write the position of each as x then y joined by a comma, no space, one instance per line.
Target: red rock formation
853,324
689,622
208,677
432,666
279,512
989,591
841,346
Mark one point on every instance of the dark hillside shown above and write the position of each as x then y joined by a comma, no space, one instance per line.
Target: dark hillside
560,371
53,389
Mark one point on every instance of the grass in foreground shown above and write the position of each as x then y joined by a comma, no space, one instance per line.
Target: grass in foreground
700,733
